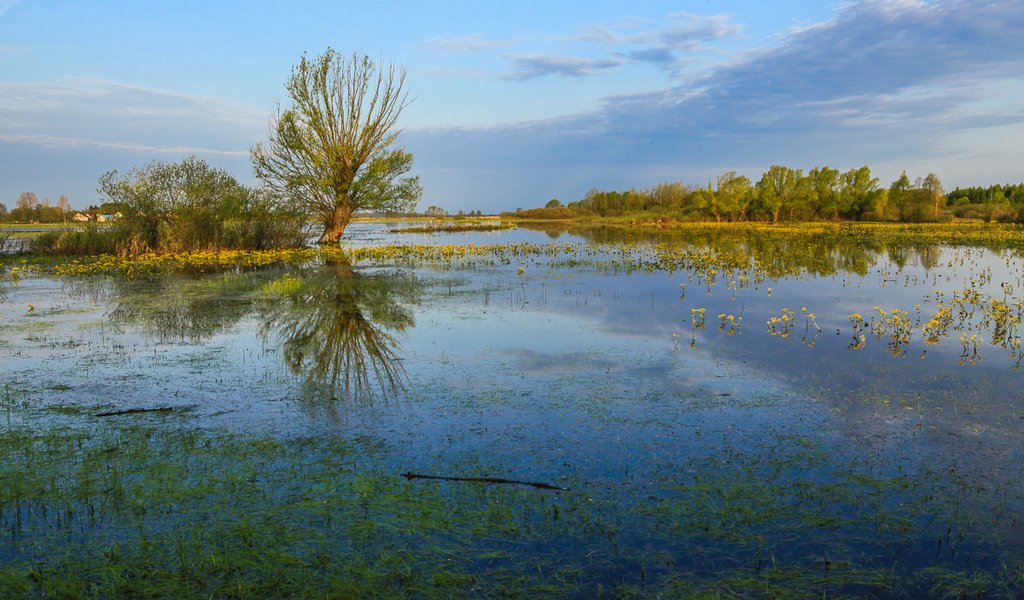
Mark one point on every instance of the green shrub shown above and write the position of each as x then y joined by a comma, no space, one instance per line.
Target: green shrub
175,207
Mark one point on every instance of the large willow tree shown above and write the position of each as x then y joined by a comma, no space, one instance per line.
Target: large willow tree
333,149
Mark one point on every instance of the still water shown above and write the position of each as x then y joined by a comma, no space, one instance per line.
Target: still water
744,431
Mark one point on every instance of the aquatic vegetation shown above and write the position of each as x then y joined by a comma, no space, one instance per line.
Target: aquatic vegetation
729,324
750,466
782,325
286,285
150,507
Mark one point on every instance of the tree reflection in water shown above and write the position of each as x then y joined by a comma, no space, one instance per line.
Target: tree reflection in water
336,326
337,329
780,254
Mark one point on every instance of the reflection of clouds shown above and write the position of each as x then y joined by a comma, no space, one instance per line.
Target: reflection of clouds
662,373
534,362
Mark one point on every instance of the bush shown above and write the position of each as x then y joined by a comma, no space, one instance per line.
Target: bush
174,207
559,213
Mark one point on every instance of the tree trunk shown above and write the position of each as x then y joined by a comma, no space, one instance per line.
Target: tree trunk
335,225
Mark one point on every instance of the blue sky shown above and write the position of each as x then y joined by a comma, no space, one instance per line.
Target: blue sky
517,103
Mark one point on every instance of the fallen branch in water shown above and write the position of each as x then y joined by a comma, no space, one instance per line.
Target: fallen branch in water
132,411
539,486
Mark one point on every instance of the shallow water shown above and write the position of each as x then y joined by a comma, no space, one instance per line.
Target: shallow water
703,454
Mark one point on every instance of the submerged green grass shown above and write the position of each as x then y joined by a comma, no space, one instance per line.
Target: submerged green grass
140,506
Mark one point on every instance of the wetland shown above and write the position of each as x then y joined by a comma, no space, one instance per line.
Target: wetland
805,410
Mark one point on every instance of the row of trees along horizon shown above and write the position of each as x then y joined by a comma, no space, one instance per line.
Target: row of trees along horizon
782,194
786,194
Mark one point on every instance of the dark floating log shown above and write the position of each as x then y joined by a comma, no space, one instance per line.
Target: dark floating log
132,411
539,486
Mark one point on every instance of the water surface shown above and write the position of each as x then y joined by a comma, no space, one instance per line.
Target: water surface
701,452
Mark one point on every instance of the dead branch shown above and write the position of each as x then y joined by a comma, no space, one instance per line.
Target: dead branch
539,486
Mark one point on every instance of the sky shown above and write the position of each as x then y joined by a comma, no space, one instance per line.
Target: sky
517,103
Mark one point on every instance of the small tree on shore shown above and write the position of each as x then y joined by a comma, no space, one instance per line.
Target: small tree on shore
332,151
899,196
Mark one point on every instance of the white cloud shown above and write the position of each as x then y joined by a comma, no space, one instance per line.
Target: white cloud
58,137
6,5
110,114
69,143
465,44
924,85
663,43
531,66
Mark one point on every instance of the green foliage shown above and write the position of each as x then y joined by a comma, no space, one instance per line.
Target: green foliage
855,194
733,195
786,194
777,188
997,202
332,151
548,213
190,205
824,197
899,195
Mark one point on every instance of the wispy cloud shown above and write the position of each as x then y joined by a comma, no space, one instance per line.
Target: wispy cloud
652,55
70,143
663,43
680,30
531,66
880,83
466,44
58,137
687,32
108,114
6,5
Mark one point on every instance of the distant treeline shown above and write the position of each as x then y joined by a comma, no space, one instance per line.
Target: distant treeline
28,209
786,194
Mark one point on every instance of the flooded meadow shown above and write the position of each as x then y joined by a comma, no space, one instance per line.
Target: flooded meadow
582,412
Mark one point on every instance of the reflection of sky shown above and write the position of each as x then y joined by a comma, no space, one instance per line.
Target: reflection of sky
567,375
